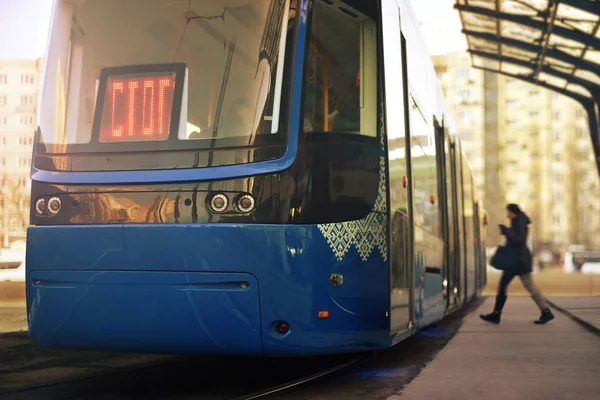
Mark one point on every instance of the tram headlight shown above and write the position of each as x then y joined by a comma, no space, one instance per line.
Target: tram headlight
54,205
246,203
219,202
40,206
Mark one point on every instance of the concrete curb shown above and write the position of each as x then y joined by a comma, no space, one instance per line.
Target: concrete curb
586,325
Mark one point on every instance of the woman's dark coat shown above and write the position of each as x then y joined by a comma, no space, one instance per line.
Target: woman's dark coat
516,240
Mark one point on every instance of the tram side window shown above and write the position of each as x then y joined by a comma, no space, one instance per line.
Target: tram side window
340,88
425,172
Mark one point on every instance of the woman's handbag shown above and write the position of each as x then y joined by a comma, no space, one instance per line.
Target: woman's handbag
503,258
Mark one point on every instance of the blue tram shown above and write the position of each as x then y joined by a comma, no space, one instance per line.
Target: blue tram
252,177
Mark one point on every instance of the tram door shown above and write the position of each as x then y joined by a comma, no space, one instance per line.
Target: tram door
446,204
477,241
456,224
396,91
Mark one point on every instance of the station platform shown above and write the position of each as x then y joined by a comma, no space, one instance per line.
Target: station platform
518,359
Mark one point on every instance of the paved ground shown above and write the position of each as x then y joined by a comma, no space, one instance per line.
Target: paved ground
551,282
586,308
13,317
514,360
11,292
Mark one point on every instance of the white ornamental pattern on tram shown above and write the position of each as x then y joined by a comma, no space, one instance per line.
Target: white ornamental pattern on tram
365,234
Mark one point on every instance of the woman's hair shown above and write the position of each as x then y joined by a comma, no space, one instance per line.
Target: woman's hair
513,208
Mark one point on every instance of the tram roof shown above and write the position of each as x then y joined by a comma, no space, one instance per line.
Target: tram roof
550,43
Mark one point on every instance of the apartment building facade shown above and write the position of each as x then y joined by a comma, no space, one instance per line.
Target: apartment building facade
529,146
19,87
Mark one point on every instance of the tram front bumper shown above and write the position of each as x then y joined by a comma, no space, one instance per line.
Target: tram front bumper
156,312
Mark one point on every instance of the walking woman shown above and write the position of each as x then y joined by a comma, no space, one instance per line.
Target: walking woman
516,240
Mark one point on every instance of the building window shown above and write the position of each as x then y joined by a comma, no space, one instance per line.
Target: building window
511,102
3,120
556,135
556,219
557,197
465,114
557,177
3,79
26,100
464,73
582,133
25,120
465,95
533,93
24,140
26,78
3,100
556,115
534,114
466,135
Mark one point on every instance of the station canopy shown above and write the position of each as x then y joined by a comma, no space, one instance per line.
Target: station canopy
551,43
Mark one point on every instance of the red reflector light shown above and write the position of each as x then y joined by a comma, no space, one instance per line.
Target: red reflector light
323,314
137,107
283,328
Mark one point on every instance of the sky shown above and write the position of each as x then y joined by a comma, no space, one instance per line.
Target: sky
24,27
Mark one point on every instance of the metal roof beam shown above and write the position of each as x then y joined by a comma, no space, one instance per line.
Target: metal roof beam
588,104
575,96
557,54
592,7
525,20
590,86
547,33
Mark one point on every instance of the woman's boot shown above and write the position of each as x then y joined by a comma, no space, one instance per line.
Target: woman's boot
546,317
494,317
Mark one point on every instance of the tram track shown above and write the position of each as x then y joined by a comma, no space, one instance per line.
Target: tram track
289,385
181,378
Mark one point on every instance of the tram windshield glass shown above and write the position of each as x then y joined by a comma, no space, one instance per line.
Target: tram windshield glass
148,75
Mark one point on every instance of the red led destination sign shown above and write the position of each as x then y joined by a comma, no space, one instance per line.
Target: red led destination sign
137,108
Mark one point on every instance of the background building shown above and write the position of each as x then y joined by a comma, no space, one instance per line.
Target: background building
19,87
529,146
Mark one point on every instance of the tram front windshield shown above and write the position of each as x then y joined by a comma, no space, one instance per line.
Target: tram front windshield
162,75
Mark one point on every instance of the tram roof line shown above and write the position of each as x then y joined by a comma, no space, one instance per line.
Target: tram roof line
550,43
